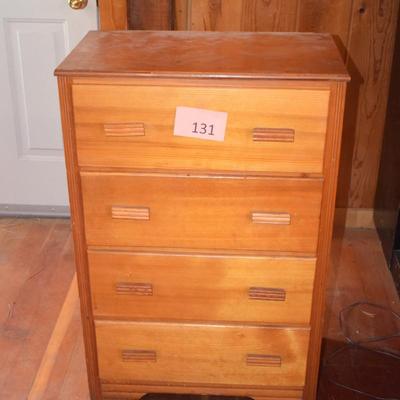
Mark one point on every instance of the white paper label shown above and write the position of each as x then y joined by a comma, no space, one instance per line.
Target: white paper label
200,124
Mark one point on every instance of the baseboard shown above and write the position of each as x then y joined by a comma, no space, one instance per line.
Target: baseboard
26,210
355,218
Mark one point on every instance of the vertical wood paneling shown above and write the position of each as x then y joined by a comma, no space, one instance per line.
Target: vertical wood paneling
243,15
151,14
272,15
113,15
216,15
331,16
370,53
181,14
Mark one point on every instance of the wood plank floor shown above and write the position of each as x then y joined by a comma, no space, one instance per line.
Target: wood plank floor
41,343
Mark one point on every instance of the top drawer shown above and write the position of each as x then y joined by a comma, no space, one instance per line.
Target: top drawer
268,129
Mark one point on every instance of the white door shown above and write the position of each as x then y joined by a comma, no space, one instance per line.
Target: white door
35,35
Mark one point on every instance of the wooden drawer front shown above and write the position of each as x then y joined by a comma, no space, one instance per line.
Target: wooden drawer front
193,212
201,287
207,354
280,130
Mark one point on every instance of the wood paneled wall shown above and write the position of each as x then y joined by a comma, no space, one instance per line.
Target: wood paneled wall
387,199
364,30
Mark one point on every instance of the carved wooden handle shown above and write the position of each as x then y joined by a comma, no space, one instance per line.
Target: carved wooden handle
263,360
126,129
136,289
275,218
139,355
127,212
273,135
267,294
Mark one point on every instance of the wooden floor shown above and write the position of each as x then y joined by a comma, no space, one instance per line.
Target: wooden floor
41,347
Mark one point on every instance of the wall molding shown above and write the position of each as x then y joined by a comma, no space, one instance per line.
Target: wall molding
27,210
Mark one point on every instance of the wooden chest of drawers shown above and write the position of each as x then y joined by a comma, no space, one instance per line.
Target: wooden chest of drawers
202,263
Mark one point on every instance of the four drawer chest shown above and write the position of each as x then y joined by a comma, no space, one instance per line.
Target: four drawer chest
202,173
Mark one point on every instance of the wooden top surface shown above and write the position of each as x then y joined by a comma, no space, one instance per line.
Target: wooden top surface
206,55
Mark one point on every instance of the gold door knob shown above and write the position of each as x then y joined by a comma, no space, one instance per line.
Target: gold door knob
77,4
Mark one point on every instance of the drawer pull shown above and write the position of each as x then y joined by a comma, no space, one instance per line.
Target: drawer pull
268,294
263,360
274,218
124,129
139,355
273,135
121,212
136,289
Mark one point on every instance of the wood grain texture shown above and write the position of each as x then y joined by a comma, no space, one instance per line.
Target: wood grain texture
150,15
64,319
304,111
267,294
198,55
263,360
133,288
181,14
333,16
200,213
181,289
332,151
138,355
370,53
210,354
74,190
273,135
243,15
126,129
274,218
113,15
305,84
130,212
35,264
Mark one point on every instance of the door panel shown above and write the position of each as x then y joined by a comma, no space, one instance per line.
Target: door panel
34,38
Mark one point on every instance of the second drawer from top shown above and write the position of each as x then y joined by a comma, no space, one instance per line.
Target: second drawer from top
268,129
192,212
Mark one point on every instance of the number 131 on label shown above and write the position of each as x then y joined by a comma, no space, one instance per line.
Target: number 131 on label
200,123
203,128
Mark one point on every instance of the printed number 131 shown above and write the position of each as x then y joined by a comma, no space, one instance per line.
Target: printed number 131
203,128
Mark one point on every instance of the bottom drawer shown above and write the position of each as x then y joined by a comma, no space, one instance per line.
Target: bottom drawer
137,352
